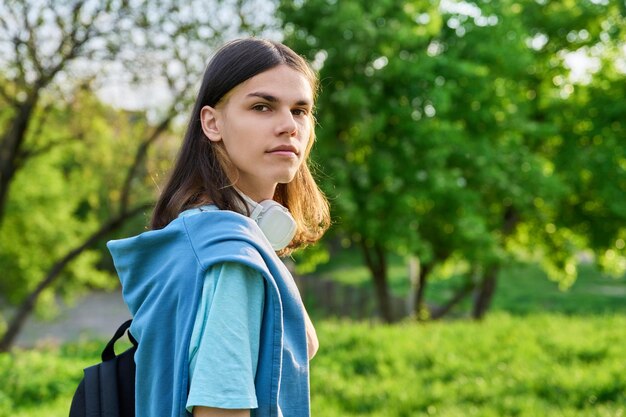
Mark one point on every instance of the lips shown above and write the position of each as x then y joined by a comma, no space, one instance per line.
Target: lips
284,149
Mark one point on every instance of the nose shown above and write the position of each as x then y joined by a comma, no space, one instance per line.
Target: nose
286,124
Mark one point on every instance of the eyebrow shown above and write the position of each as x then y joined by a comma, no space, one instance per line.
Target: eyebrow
273,99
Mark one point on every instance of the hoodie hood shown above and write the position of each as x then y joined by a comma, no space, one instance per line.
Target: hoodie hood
144,260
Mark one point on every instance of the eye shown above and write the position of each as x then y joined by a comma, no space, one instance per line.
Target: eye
299,112
261,107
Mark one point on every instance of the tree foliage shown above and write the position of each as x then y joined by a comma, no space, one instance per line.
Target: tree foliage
77,169
448,131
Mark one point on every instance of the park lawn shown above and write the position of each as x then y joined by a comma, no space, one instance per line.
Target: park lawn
526,366
537,365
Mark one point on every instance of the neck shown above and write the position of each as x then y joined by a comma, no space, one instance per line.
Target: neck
255,194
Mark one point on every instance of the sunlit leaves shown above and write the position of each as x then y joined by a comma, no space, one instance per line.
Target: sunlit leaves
61,195
453,123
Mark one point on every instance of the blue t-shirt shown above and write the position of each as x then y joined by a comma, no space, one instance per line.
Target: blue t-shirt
224,345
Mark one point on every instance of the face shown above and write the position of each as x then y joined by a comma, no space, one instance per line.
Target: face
265,126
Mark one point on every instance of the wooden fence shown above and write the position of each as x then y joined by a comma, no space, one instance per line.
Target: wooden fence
327,298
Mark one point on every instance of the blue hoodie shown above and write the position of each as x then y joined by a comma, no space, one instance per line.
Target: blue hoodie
162,273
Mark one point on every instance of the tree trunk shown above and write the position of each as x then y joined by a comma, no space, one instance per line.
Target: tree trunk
140,156
377,263
27,306
486,287
484,293
10,147
420,292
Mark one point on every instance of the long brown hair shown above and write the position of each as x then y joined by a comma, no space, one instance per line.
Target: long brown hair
200,174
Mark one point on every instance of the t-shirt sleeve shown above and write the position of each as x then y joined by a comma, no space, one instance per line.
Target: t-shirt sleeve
224,346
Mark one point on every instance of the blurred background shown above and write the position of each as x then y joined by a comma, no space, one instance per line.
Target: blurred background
474,153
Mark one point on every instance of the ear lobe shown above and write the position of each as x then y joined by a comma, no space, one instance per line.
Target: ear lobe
208,121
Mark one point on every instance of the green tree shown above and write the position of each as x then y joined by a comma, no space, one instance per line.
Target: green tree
433,133
584,113
77,169
40,46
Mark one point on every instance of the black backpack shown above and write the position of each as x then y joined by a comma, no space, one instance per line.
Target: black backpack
108,388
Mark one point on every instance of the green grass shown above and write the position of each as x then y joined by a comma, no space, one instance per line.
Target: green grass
541,365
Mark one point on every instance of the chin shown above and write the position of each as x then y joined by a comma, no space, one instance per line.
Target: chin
287,178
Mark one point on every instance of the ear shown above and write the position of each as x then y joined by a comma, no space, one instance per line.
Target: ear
209,122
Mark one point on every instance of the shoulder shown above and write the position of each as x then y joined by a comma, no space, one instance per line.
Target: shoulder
229,285
234,274
224,223
225,236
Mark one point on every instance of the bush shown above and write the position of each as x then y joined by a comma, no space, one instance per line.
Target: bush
31,379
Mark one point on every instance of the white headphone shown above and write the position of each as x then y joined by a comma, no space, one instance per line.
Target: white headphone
274,220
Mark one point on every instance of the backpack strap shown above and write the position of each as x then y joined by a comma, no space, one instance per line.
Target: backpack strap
109,351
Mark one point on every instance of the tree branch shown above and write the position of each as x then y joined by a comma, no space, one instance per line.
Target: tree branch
3,24
19,63
26,154
140,155
71,43
464,291
55,270
32,40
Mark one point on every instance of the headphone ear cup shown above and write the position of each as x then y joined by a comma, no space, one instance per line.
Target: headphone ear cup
277,224
274,220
